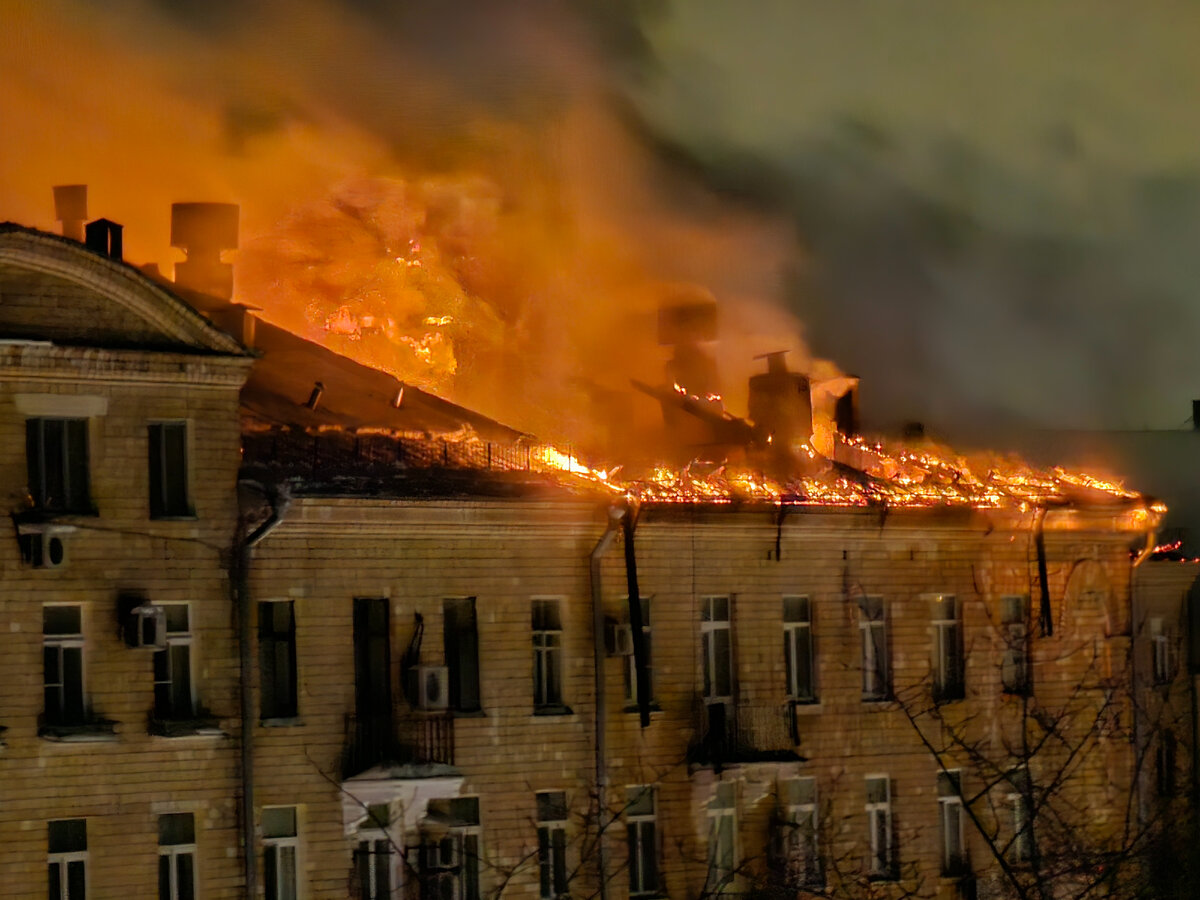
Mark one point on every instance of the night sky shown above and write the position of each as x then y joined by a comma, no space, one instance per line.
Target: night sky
989,213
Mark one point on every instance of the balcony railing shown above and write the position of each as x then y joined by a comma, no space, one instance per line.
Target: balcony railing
726,733
383,739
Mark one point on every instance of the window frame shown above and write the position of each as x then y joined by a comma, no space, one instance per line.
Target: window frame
548,655
801,832
1020,799
881,861
641,832
553,879
376,830
710,627
874,654
62,859
466,832
161,501
61,642
1163,661
949,674
273,639
722,838
950,822
1015,670
172,852
176,642
799,633
276,845
76,499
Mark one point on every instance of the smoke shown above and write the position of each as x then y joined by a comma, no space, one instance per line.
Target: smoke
447,190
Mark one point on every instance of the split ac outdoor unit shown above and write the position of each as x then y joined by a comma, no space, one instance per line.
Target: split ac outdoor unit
44,549
620,640
143,625
433,687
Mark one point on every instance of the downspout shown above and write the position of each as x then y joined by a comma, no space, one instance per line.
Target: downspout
615,515
1141,745
1046,615
279,500
640,667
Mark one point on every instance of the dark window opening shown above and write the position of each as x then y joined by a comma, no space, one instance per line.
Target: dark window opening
56,452
277,659
372,680
169,471
462,653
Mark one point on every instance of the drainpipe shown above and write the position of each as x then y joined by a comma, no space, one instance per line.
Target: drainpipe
640,662
243,544
1141,744
615,515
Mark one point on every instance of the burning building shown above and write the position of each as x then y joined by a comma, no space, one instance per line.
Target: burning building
309,631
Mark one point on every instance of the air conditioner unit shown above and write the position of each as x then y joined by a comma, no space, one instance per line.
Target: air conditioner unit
44,549
433,687
143,625
620,640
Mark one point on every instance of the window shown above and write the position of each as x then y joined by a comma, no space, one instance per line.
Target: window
1020,798
643,840
552,844
798,651
1164,765
277,658
722,837
281,845
450,858
461,636
62,665
56,452
168,471
873,633
1014,670
797,854
947,648
547,656
173,697
68,859
950,817
717,648
374,860
630,669
176,857
879,827
1162,646
373,731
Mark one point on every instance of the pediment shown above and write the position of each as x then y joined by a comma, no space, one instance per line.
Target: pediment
57,290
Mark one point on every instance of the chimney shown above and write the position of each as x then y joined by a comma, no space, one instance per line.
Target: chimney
780,404
202,231
845,411
104,236
70,208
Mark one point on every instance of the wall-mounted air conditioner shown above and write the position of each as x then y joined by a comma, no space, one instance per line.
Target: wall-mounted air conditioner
44,549
619,639
143,625
433,687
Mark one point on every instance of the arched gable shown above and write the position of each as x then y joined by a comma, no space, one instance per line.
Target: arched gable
55,289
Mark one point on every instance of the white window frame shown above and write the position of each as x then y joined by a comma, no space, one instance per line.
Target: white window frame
880,861
173,852
801,844
177,640
948,648
1014,669
277,845
637,822
547,653
950,818
722,838
1162,650
467,841
709,626
62,642
1021,848
798,633
372,833
630,660
876,673
62,861
555,859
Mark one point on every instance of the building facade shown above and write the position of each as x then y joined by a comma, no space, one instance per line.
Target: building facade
283,656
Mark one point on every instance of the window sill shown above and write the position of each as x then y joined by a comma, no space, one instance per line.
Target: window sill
877,702
184,517
178,728
280,721
552,711
467,713
634,708
84,732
